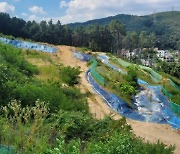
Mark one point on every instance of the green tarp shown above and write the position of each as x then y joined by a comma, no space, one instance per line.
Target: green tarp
175,108
98,77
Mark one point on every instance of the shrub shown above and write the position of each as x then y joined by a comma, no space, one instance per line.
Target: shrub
63,148
70,75
15,58
132,76
24,130
127,89
67,99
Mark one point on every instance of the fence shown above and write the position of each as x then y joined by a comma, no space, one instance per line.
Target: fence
124,63
98,77
174,85
156,77
175,108
168,95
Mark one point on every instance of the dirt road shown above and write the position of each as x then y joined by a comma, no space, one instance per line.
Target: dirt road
148,131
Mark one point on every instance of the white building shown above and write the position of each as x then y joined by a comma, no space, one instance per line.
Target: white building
168,57
161,53
147,62
165,55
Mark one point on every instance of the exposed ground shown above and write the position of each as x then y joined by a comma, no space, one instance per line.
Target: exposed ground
148,131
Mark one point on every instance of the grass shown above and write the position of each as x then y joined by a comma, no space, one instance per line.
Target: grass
83,49
175,93
115,62
48,72
141,74
37,55
174,79
47,66
112,80
144,75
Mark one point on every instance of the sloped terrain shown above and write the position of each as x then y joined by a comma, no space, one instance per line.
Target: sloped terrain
149,131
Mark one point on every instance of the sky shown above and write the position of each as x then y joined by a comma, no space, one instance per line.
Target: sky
70,11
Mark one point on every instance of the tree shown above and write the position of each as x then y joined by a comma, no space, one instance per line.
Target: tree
143,40
151,40
130,41
117,30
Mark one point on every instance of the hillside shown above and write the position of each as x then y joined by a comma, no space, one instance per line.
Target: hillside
164,32
163,20
64,124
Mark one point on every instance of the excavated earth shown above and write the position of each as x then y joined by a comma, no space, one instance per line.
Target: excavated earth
148,131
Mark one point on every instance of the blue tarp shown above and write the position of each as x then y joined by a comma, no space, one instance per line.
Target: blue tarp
156,111
121,106
81,56
28,45
105,59
149,105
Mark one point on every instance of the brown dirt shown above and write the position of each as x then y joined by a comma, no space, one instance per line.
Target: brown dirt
148,131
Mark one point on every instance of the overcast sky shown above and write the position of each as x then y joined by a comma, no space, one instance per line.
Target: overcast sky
68,11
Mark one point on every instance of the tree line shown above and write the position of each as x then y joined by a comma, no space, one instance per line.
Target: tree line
108,38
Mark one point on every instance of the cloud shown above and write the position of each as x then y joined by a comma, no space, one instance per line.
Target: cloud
83,10
24,14
34,17
5,7
63,4
37,10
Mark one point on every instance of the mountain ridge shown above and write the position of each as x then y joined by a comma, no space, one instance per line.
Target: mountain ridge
138,23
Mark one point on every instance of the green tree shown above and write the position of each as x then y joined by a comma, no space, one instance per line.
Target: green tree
117,30
70,75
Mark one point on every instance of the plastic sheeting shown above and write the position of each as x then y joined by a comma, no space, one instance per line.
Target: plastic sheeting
124,63
81,56
28,45
97,76
174,85
168,95
105,59
121,106
156,77
175,108
149,105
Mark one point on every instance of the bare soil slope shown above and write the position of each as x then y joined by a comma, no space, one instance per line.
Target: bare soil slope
148,131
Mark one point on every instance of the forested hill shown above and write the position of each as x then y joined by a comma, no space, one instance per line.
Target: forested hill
109,34
161,23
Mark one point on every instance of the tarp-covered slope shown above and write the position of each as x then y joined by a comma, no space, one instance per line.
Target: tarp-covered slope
28,45
149,105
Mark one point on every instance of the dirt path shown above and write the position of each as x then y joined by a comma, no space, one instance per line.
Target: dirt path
148,131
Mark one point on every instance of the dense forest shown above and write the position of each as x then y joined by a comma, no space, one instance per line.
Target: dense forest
164,24
43,116
108,35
